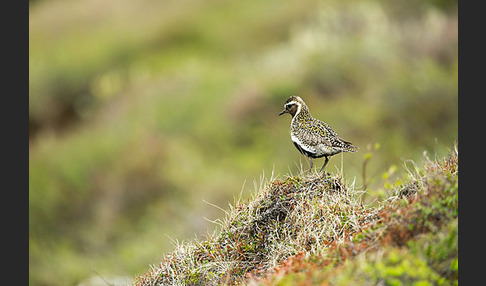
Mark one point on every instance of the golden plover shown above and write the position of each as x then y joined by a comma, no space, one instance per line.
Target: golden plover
312,137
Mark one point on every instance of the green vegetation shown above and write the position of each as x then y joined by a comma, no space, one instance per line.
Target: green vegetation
139,111
313,230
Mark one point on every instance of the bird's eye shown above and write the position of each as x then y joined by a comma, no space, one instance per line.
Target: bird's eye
288,106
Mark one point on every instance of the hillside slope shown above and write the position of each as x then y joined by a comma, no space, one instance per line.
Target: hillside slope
315,230
140,110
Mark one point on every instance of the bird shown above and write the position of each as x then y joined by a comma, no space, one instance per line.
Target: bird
312,137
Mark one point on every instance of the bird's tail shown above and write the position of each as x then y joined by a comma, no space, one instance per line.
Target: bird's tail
348,146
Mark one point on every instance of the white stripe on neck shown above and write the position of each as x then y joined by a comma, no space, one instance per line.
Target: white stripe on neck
299,107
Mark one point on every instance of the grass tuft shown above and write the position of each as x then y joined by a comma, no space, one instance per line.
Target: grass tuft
315,229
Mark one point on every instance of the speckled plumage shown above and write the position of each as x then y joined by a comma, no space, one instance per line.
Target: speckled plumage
312,137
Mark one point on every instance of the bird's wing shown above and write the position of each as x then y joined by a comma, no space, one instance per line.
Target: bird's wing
333,140
316,133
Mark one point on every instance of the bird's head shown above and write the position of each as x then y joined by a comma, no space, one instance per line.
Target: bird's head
293,105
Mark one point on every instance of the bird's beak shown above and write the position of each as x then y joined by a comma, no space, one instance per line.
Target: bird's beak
283,111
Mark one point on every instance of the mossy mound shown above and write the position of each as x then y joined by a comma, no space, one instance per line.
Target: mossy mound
315,229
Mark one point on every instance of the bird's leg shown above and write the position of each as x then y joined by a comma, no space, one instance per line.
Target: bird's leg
325,163
311,164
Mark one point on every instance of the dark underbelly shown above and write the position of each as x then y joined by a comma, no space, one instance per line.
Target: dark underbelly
307,153
315,155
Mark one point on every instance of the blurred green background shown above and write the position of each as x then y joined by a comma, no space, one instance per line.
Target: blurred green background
139,111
